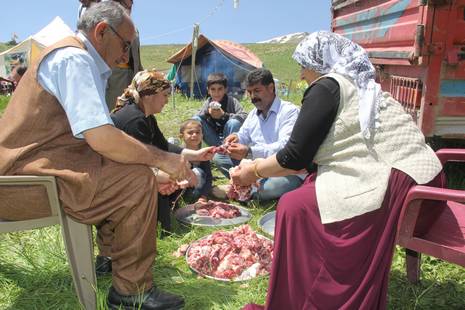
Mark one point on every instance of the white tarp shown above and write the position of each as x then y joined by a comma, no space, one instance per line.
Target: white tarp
29,49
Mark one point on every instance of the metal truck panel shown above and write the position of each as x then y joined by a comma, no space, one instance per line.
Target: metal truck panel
386,29
418,48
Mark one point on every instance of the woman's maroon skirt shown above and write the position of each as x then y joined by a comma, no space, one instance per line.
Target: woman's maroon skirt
342,265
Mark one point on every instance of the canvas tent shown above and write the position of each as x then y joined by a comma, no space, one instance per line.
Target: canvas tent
232,59
29,49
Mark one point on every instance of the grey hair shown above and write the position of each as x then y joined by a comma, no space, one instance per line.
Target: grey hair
108,11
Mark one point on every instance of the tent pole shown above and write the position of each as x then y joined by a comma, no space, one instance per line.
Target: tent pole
195,36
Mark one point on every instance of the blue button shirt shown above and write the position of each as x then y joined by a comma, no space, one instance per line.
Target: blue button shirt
266,136
78,78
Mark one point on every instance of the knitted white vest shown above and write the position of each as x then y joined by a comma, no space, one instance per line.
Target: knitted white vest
353,173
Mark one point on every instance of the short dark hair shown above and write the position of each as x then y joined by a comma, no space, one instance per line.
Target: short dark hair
260,75
217,78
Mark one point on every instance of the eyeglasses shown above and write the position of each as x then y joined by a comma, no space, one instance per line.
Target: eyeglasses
126,44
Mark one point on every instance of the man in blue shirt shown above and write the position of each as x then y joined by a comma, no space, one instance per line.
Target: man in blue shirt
265,131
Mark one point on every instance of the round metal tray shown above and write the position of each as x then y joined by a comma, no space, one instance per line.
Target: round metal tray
237,279
267,222
188,216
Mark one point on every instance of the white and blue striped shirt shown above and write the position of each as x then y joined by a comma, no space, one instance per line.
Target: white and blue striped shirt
266,136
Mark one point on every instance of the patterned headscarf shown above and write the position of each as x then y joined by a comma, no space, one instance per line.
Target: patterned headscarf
144,83
327,52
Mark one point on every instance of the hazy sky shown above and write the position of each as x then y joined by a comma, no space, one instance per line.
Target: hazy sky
171,21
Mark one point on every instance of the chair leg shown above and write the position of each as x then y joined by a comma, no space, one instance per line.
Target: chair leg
79,246
413,262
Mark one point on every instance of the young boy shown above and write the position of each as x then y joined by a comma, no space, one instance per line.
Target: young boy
219,120
220,116
191,135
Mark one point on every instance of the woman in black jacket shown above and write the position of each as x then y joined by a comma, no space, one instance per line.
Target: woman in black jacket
134,114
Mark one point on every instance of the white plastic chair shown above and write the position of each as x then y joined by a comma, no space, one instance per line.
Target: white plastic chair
76,236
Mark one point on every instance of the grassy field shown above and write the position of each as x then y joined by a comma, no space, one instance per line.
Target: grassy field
34,272
4,47
3,102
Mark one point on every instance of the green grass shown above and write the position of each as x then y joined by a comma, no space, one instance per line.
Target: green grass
155,56
4,47
34,273
3,102
278,59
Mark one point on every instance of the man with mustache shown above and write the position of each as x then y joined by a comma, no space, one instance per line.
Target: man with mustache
265,131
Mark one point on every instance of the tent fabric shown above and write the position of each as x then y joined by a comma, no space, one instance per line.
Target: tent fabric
239,52
232,59
231,48
29,49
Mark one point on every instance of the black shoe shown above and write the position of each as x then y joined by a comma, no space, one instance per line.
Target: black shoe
153,299
102,266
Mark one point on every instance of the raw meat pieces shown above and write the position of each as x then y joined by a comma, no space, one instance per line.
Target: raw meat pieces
239,254
222,149
240,193
217,209
215,105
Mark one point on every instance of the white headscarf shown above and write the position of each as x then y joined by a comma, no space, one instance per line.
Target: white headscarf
328,52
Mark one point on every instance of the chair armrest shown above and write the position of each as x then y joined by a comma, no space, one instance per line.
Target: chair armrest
446,155
415,197
26,179
423,192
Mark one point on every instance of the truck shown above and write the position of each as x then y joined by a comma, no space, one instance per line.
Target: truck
418,50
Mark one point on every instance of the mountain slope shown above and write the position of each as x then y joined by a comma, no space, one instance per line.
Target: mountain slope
288,38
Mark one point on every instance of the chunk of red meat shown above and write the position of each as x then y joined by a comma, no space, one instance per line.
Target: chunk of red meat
227,255
217,209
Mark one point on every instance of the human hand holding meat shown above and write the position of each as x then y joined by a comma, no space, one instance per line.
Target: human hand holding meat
215,110
242,189
244,174
176,166
238,151
203,154
166,186
222,149
216,113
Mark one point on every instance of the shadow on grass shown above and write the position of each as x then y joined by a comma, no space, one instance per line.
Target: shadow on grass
199,293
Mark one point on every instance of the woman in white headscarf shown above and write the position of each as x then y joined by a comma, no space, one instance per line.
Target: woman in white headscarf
335,235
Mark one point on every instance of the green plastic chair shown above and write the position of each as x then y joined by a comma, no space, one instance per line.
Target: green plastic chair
76,236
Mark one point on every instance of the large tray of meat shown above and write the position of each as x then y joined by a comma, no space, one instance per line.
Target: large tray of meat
212,213
237,255
267,222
